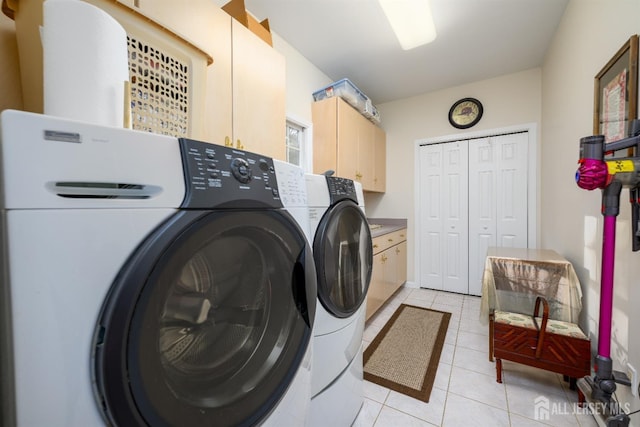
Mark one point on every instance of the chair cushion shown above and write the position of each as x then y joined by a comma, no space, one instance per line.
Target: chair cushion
553,326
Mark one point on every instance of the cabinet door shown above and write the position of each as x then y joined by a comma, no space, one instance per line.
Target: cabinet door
390,262
375,295
218,102
179,17
401,263
355,146
325,132
259,86
348,127
379,160
366,147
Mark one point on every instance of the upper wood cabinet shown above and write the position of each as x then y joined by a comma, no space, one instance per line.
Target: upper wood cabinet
190,19
245,104
259,88
346,142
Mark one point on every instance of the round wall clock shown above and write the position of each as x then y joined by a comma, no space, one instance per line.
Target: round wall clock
465,113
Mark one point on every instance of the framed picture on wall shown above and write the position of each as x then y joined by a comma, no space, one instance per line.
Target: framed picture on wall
616,93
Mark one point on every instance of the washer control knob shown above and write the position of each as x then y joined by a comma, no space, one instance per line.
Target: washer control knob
241,170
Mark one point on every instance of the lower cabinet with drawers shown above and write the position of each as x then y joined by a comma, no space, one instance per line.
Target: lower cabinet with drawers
389,268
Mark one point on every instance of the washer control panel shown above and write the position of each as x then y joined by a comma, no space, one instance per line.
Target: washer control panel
341,189
218,176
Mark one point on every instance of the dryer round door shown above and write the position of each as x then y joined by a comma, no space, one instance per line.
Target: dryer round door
342,250
208,321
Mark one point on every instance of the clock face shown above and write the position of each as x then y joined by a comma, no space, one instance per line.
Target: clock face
465,113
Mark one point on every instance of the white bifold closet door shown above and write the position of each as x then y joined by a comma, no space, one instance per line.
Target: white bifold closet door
473,195
497,199
444,216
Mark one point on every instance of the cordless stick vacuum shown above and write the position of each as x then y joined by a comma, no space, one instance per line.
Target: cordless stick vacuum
610,176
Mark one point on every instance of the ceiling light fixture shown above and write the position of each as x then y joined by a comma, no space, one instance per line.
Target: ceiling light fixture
411,20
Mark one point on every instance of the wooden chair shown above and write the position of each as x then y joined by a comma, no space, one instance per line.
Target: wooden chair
540,342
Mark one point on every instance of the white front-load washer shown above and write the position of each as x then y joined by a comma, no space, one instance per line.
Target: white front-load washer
343,254
148,281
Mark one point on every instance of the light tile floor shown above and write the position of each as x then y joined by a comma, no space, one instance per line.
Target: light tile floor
465,391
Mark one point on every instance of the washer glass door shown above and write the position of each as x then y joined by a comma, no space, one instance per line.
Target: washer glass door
208,322
343,253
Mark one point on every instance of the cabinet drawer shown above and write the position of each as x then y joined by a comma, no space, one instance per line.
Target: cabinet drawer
380,243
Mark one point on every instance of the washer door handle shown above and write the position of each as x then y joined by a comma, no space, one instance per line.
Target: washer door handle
305,299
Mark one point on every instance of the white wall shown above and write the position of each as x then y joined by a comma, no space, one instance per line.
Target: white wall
509,100
590,33
303,78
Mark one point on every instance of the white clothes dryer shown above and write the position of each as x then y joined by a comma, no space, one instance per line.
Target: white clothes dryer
342,250
149,281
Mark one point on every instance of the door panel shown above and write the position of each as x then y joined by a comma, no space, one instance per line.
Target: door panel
455,211
347,161
444,209
376,295
259,104
482,208
511,215
498,217
431,216
473,196
401,270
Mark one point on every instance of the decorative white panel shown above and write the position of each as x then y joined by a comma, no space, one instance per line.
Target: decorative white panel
475,194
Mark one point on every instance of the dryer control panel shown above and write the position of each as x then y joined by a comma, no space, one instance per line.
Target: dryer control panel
341,189
218,176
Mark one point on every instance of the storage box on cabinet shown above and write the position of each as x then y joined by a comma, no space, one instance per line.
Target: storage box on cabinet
345,90
261,29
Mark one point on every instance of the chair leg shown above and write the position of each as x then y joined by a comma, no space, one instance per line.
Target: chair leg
499,370
491,337
581,399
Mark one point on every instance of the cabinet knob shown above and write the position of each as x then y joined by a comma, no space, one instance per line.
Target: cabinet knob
358,175
402,235
397,250
384,258
391,240
239,145
375,246
227,142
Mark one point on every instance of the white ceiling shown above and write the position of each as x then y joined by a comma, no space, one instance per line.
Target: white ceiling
477,39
